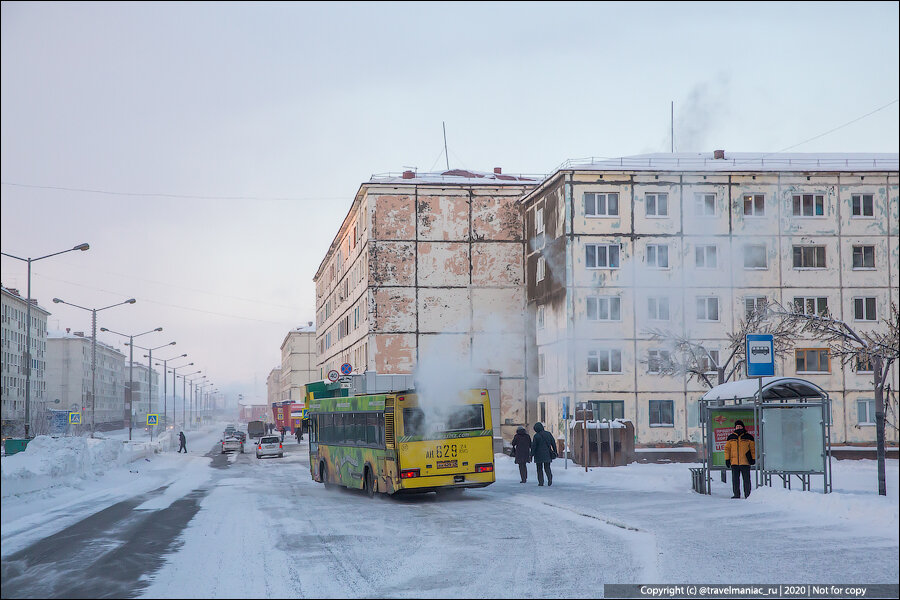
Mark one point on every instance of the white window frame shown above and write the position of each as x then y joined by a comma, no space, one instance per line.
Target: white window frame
607,254
598,301
654,255
654,308
815,300
755,302
540,269
701,207
862,207
707,361
765,256
706,300
609,354
862,252
656,196
754,213
869,403
540,317
539,220
862,304
705,249
797,210
595,200
658,357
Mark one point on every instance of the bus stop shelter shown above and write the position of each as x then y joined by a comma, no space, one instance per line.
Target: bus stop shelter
790,419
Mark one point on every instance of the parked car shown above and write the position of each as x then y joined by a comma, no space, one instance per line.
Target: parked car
231,443
269,445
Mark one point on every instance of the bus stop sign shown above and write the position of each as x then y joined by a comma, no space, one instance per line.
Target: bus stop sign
760,355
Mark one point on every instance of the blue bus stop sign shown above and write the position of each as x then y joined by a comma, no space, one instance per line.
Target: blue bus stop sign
760,355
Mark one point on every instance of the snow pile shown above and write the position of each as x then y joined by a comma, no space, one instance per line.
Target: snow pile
867,507
49,461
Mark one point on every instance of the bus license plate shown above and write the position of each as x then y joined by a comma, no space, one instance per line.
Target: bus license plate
446,464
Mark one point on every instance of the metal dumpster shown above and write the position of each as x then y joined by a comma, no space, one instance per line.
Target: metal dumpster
13,445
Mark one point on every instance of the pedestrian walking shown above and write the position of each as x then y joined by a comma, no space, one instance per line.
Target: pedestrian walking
298,435
282,434
543,450
740,455
521,447
182,442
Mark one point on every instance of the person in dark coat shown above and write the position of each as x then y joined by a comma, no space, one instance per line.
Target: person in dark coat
521,447
543,450
282,434
740,455
183,442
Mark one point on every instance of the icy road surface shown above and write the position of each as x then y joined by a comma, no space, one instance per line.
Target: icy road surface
212,526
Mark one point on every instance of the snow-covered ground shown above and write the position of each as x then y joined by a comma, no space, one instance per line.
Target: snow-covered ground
262,528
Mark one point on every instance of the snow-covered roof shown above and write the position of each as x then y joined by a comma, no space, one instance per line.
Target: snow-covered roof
455,177
773,388
740,161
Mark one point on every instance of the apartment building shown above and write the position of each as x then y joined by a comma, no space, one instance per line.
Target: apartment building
273,386
429,265
298,363
70,381
145,398
14,310
688,243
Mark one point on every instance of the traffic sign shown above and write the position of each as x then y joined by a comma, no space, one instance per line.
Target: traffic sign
74,418
280,414
333,376
152,419
305,414
760,355
346,368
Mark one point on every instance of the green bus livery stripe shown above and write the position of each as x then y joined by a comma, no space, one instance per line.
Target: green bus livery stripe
450,435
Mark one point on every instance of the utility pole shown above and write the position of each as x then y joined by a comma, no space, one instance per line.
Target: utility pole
446,156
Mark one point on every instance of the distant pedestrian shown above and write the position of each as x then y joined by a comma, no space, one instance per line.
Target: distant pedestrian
282,434
300,430
521,446
740,455
183,442
543,450
298,435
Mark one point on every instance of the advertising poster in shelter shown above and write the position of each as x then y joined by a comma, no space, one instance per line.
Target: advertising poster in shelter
721,425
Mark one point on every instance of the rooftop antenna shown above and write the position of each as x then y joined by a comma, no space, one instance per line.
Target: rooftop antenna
672,121
446,156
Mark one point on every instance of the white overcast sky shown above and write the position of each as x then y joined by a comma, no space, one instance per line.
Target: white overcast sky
224,142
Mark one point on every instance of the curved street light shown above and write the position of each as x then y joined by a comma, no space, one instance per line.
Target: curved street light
94,312
27,357
128,414
184,394
165,386
150,376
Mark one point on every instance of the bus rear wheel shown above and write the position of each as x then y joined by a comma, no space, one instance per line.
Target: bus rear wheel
323,475
369,483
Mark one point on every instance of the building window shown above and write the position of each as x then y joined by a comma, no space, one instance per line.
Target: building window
540,317
864,309
809,205
863,205
811,305
601,205
754,205
539,220
541,267
863,257
755,256
540,365
607,410
657,204
809,257
755,304
604,308
707,308
543,406
811,360
602,256
705,205
706,257
662,413
605,361
865,411
709,362
864,364
658,256
657,360
658,308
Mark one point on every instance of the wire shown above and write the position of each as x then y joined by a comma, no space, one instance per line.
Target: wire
839,126
155,195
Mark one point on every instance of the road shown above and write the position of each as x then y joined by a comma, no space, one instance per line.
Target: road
263,529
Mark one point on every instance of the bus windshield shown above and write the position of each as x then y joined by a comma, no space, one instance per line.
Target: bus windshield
461,418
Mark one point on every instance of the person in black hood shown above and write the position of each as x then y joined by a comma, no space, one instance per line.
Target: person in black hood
521,446
182,441
543,450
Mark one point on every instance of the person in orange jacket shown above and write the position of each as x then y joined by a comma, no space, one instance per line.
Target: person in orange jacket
740,454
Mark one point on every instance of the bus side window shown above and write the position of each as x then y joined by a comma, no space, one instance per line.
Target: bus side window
381,430
371,430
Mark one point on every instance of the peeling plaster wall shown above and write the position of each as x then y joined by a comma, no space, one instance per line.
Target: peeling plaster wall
562,341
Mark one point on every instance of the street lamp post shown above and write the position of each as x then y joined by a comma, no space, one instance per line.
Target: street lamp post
194,392
149,358
130,344
184,396
175,392
165,387
94,312
81,247
201,403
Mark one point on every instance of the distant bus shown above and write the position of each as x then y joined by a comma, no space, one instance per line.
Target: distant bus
256,429
387,443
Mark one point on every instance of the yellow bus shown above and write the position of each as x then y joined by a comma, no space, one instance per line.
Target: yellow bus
390,443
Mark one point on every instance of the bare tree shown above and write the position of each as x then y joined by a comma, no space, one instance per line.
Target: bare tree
694,360
875,350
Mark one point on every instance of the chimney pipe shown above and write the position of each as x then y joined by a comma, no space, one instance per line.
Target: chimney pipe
498,170
408,175
719,154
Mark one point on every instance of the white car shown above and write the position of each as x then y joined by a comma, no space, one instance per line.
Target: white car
231,443
269,445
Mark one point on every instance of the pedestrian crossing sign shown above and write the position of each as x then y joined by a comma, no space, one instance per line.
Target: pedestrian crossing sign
152,419
74,418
